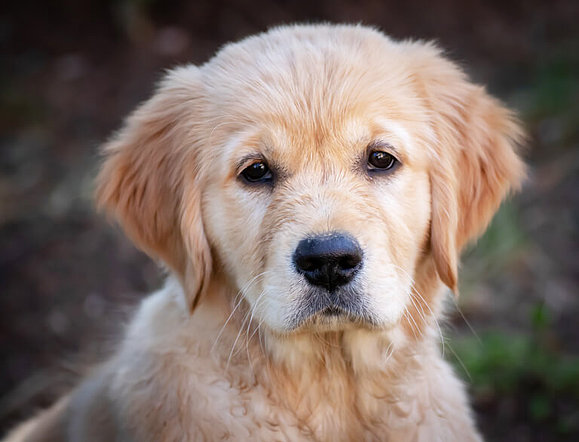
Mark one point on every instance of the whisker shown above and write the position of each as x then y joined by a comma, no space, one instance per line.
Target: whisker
473,331
460,361
239,333
418,307
242,328
433,316
239,299
389,352
413,325
442,340
247,337
240,294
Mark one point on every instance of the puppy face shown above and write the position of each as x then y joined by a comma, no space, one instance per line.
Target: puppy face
321,169
321,227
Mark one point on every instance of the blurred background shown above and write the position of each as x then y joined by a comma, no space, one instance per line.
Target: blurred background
71,69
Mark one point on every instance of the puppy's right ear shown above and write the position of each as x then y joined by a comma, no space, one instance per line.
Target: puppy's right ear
143,180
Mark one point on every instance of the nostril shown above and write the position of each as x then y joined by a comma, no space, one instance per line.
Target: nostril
308,263
350,261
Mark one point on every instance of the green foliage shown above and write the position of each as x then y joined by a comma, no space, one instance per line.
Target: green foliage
503,242
555,85
500,361
503,236
527,368
550,107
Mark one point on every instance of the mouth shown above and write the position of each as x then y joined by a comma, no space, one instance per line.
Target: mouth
338,312
332,311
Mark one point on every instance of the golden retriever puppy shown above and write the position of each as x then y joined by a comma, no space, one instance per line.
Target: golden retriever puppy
309,190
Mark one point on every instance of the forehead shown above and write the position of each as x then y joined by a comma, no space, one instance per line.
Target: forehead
302,98
345,136
287,145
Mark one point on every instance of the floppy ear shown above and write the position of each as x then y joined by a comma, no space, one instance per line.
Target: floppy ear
143,181
475,160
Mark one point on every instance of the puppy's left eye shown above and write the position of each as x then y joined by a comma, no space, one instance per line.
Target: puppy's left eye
257,172
380,160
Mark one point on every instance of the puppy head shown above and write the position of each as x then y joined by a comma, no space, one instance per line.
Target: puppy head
320,168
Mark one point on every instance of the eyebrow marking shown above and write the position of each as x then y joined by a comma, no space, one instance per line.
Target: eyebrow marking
247,158
382,144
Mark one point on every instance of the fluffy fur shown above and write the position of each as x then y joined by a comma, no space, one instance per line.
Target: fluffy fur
227,350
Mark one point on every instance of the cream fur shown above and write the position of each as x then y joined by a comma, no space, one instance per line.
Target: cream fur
218,353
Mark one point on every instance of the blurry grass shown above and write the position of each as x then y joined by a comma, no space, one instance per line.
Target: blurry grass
524,372
500,246
556,86
17,108
522,376
549,105
525,369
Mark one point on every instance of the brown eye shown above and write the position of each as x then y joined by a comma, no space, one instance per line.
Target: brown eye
379,160
257,172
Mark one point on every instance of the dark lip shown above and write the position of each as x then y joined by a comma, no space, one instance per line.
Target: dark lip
347,308
332,311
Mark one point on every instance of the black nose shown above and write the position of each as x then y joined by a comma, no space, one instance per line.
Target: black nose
328,261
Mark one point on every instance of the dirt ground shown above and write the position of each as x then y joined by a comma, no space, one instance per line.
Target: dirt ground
70,70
